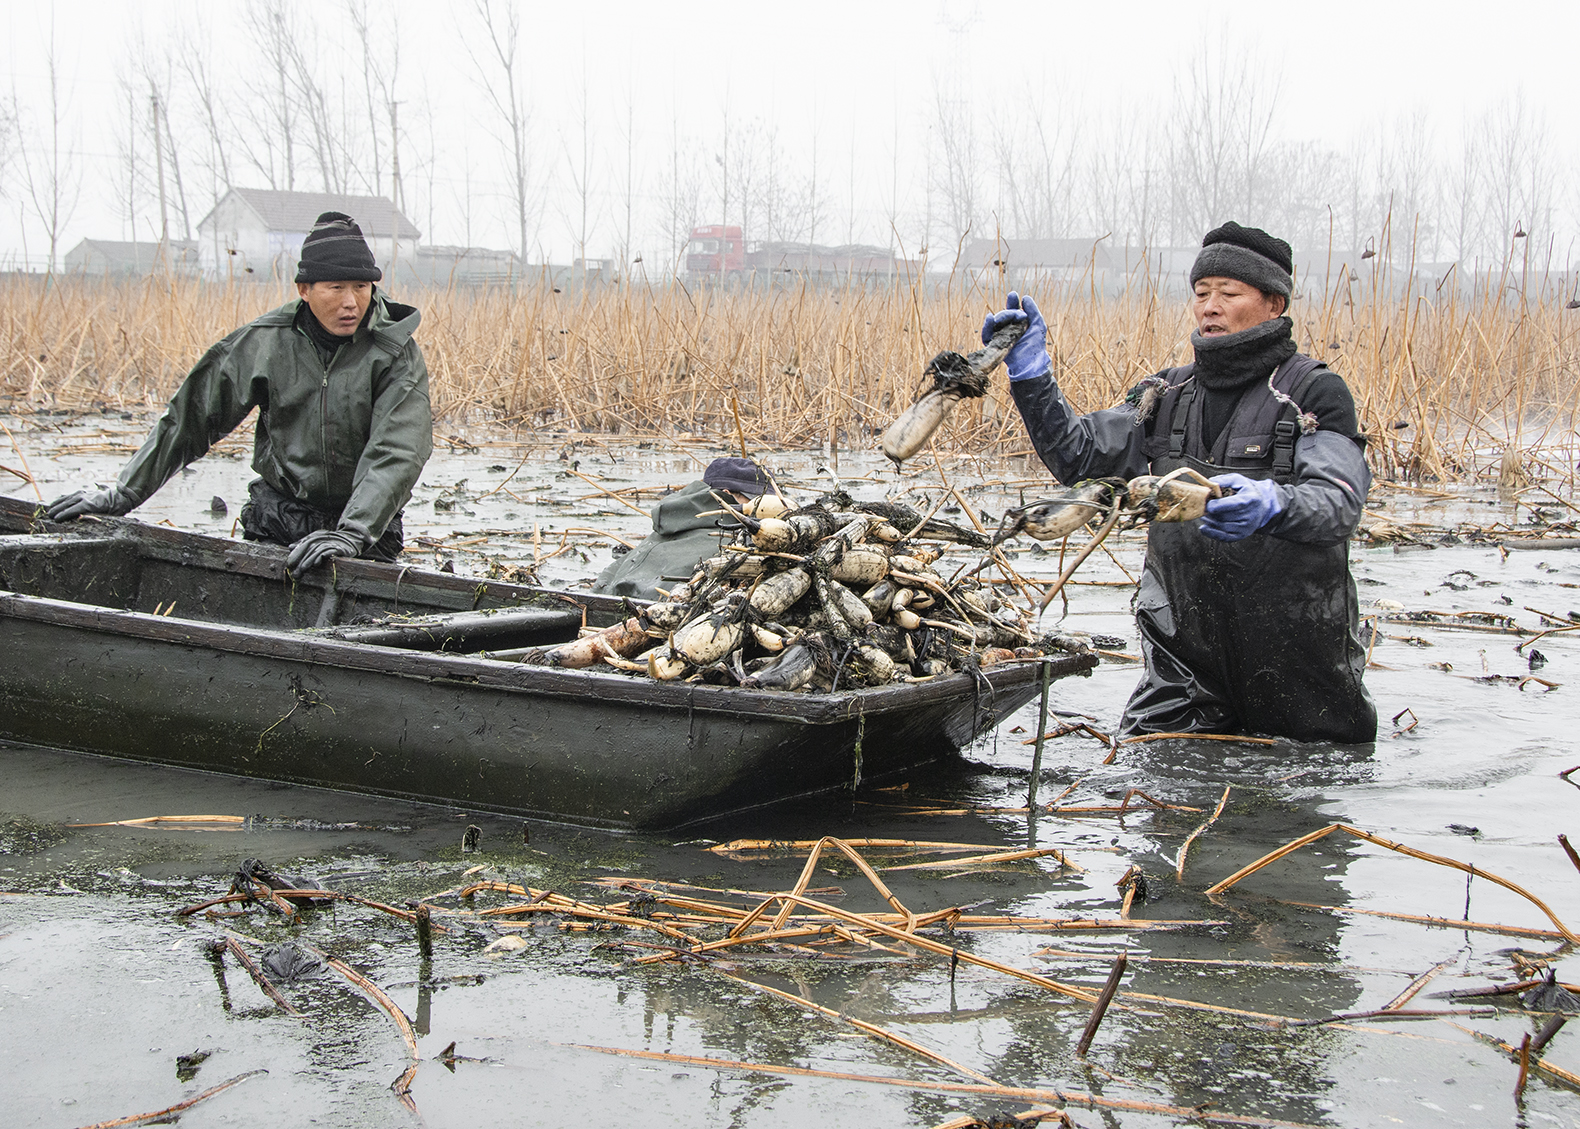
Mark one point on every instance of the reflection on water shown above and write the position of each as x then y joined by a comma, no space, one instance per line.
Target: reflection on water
103,987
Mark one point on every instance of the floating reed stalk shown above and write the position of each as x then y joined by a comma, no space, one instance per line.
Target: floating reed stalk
1411,852
1417,984
871,1029
244,959
374,993
1066,1097
1438,922
184,821
1100,1008
1563,841
170,1113
1541,1066
1179,860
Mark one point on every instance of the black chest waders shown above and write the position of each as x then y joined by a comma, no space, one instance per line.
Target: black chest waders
1251,636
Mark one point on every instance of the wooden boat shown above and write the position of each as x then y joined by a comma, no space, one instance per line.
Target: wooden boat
150,643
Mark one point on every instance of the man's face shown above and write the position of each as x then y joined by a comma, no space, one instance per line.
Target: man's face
338,306
1227,305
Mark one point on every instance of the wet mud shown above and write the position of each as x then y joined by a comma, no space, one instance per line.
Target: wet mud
114,1005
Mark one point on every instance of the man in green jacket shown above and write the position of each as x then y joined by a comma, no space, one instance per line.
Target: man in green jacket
344,421
687,527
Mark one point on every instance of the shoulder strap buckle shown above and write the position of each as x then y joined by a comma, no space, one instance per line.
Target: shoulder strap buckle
1284,432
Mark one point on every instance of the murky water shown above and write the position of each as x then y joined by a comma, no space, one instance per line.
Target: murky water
102,987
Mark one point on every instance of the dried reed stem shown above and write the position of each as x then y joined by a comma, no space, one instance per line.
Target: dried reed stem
1417,984
374,993
251,966
1100,1008
1237,738
999,856
172,1111
1411,852
1438,922
1067,1097
1556,1073
1179,859
867,1028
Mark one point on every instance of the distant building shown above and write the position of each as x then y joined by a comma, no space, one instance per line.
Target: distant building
1112,269
258,232
110,258
442,266
1020,260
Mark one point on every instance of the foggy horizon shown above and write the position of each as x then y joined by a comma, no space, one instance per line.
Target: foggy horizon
912,132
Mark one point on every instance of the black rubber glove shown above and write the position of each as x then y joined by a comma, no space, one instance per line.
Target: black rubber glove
320,548
108,500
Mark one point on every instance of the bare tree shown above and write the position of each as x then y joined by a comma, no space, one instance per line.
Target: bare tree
10,141
682,192
1225,110
1516,175
506,93
739,166
953,161
425,168
577,142
329,138
158,80
1034,160
626,233
126,180
192,54
50,175
267,139
380,72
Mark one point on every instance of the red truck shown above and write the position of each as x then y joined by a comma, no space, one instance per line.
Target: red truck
719,252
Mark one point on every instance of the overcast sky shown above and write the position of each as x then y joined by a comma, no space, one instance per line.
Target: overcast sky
850,88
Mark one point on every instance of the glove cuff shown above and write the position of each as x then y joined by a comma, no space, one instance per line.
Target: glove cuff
1273,497
354,531
1040,365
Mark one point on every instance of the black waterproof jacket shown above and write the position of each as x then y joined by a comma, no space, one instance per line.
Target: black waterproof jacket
348,438
681,540
1251,636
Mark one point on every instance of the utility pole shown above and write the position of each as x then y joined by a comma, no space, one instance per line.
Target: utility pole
395,184
395,192
159,160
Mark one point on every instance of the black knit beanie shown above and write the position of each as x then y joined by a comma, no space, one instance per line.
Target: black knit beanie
1248,254
334,251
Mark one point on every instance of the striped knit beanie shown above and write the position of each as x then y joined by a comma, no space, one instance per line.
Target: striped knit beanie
334,251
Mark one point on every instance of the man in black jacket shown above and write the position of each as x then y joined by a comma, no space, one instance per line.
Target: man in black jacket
1248,617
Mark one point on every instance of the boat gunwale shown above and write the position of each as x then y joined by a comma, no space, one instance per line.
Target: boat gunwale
515,677
178,546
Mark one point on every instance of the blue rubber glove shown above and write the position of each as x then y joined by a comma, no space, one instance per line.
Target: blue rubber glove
1254,503
1028,357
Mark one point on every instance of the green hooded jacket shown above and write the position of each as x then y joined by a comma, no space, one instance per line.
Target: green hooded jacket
681,539
350,438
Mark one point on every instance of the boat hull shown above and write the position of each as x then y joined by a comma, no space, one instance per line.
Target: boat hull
592,747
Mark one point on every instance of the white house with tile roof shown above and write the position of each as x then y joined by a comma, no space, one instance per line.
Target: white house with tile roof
257,233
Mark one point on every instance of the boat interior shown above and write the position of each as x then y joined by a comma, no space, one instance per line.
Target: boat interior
126,565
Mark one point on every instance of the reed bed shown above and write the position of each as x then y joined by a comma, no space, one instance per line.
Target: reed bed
1456,381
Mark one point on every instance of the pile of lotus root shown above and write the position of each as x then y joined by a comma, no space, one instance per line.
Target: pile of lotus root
838,594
